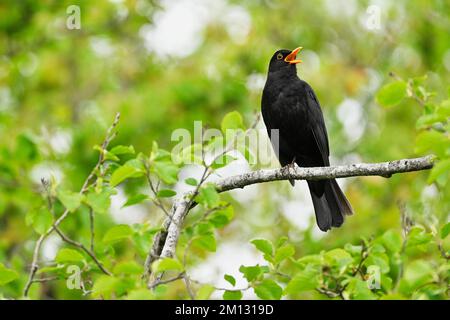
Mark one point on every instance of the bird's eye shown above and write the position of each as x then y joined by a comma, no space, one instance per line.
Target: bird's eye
279,56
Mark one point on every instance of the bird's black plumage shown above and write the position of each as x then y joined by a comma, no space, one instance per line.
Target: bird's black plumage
291,108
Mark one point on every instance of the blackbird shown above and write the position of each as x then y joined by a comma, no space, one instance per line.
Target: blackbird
295,124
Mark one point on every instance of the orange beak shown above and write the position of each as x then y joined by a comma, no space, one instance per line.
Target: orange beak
291,57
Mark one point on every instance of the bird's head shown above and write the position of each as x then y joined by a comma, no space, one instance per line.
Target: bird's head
284,60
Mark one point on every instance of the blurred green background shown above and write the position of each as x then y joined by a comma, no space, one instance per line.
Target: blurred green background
165,64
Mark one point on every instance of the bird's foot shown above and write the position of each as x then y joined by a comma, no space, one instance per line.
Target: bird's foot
290,167
292,163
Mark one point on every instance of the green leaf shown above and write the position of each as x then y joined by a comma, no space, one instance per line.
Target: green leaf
166,264
392,240
221,217
230,279
128,267
109,156
204,228
445,230
443,110
7,275
41,220
431,140
166,171
265,246
166,193
207,242
313,259
208,196
68,255
305,280
379,259
391,94
58,269
117,233
143,240
120,150
104,286
428,120
282,240
284,253
140,294
251,273
122,173
191,154
417,236
268,290
418,273
338,257
99,202
205,292
191,182
222,161
354,250
232,295
106,154
359,290
386,281
70,200
441,169
135,199
138,164
377,248
154,152
232,120
393,296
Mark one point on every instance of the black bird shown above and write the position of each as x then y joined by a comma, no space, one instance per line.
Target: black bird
290,106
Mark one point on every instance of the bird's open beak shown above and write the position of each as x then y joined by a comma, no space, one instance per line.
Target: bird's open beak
291,57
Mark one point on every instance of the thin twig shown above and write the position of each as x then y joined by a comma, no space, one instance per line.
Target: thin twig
82,247
364,256
221,288
92,226
154,190
186,250
441,249
406,224
188,287
34,264
278,273
187,279
160,281
329,293
45,279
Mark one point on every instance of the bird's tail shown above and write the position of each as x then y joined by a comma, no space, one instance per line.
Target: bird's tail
330,203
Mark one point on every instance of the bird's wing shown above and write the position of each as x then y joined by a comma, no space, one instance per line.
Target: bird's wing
317,124
281,147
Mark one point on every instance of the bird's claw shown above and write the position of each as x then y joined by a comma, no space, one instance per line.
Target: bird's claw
289,167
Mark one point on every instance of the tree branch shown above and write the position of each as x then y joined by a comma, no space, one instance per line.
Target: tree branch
166,240
384,169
